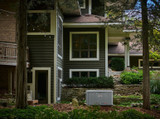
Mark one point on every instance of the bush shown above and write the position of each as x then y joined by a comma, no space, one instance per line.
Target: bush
133,114
92,82
117,64
155,99
131,77
155,83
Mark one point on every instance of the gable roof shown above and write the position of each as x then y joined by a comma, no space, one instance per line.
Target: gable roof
85,19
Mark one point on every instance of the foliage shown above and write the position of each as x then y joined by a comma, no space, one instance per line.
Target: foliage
117,64
155,82
44,112
91,82
155,99
133,114
131,77
154,55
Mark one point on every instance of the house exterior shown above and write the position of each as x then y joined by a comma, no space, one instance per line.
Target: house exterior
71,39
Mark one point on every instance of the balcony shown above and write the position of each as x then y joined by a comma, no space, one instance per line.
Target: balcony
8,54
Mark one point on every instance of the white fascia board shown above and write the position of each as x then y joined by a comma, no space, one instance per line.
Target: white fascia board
123,54
130,31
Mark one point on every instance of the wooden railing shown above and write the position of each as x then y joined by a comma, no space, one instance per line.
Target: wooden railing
8,53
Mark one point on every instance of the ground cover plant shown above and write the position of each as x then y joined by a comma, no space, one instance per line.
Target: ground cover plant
45,112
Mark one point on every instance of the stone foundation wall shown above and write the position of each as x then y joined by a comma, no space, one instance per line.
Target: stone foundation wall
69,93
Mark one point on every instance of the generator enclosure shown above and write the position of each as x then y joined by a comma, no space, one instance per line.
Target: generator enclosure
99,97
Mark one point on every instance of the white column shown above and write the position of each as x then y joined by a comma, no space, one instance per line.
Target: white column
90,7
127,55
106,52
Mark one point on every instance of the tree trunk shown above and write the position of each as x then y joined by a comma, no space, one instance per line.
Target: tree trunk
21,92
146,80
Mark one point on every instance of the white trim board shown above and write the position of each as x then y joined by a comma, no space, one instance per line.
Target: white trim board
83,59
34,69
87,70
123,55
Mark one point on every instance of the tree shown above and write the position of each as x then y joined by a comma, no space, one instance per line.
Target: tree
21,92
146,17
146,80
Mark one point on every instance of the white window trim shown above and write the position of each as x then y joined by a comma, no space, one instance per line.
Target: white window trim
139,63
52,27
79,70
84,59
34,69
59,68
84,5
61,57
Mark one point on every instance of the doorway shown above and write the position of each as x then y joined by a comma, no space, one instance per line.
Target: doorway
41,86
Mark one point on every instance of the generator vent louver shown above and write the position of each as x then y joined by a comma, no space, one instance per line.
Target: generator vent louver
99,97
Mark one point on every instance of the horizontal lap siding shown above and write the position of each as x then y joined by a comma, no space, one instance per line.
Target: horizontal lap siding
84,64
41,54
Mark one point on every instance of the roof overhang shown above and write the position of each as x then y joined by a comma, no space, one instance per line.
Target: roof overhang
70,7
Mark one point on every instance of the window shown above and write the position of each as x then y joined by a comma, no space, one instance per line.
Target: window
40,22
84,73
84,46
82,4
60,37
59,83
152,63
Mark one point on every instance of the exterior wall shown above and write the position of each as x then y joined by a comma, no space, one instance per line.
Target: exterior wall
7,27
41,54
84,64
134,60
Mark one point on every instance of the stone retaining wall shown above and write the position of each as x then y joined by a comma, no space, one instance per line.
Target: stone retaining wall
69,93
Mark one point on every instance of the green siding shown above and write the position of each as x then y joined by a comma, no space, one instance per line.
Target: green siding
41,54
84,64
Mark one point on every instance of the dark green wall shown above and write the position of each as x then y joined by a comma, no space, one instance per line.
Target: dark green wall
41,54
84,64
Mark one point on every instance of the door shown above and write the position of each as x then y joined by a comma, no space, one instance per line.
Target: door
41,86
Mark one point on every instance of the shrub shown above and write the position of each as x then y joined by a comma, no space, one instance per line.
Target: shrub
131,77
44,112
92,82
133,114
155,99
155,83
117,64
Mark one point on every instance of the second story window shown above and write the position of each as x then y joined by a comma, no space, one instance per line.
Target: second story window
82,4
84,46
40,22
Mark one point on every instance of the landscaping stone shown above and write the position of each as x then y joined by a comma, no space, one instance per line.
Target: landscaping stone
75,102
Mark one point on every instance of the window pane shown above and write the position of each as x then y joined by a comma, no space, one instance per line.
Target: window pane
75,44
84,54
59,74
75,54
75,74
84,43
93,54
39,22
93,74
84,74
81,3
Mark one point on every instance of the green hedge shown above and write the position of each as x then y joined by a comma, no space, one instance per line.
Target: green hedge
41,112
131,77
117,64
92,82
